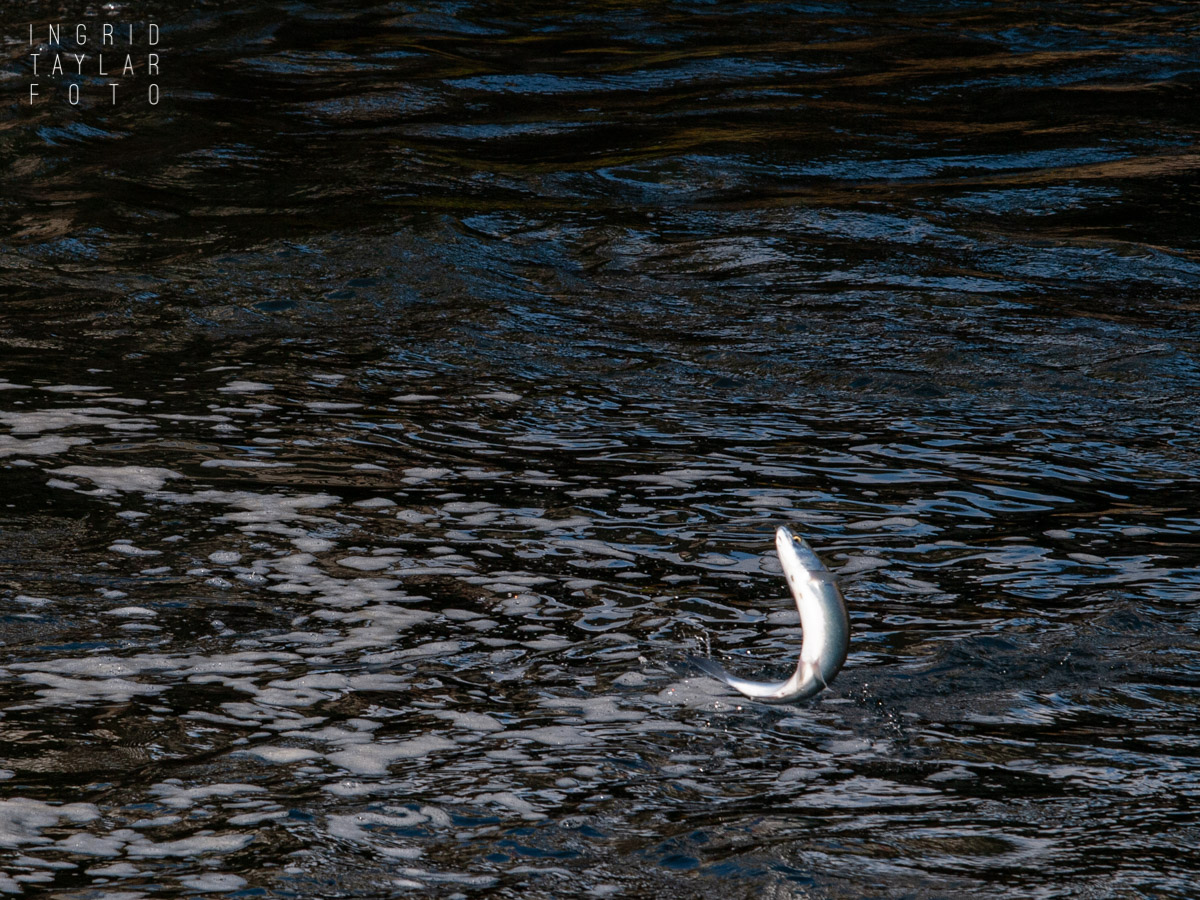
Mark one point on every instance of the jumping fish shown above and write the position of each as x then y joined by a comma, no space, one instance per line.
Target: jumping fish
823,618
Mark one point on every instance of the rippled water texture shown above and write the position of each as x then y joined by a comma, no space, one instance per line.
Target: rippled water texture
388,413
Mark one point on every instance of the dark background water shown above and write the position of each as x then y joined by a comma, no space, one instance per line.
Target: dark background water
388,412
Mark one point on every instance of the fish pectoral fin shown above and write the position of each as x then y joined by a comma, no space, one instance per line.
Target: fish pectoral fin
816,670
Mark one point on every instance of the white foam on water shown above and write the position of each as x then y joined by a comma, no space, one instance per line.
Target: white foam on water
157,822
86,844
658,481
98,666
260,509
458,507
279,755
115,870
701,692
27,878
375,758
375,503
331,406
856,564
257,818
196,845
414,517
540,523
334,735
511,801
588,546
540,871
516,582
1138,531
59,691
179,797
108,678
127,401
49,445
75,388
471,721
58,419
461,615
450,877
246,387
520,606
797,773
595,709
113,479
382,624
131,550
589,493
437,816
890,523
122,895
421,474
365,563
22,819
553,735
177,417
350,788
312,544
341,682
391,851
244,464
213,882
355,826
131,612
430,648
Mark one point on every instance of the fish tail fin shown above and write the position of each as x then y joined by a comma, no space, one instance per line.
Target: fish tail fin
710,667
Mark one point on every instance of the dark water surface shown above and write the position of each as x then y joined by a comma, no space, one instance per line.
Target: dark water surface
388,412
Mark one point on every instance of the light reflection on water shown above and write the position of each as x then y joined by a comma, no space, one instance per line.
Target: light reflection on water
387,416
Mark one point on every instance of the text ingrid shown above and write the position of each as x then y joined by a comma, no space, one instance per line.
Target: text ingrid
51,60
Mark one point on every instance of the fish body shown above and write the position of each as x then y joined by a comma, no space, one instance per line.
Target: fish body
823,617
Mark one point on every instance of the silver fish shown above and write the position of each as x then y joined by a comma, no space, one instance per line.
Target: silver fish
823,618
